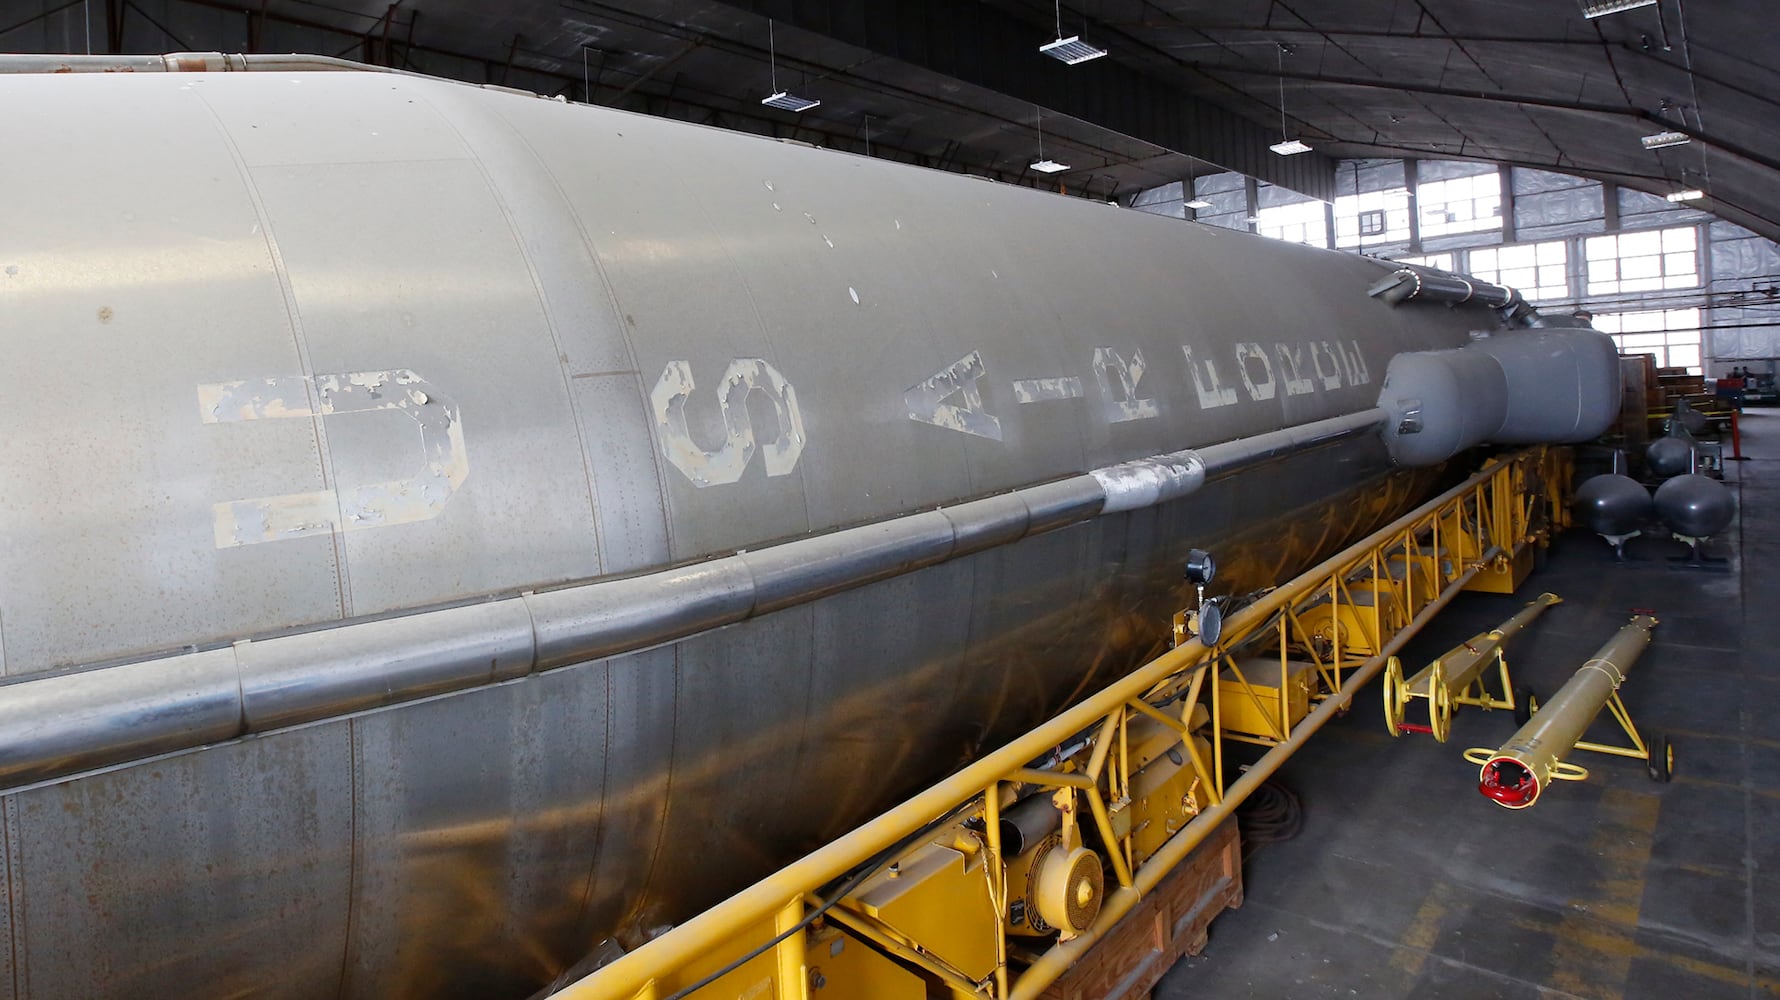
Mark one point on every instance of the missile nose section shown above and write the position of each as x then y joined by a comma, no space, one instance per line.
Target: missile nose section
1669,456
1694,506
1612,504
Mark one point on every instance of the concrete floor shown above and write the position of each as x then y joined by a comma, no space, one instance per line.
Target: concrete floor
1405,882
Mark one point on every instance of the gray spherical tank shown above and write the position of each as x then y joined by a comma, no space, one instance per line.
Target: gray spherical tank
1611,504
445,528
1695,506
1669,456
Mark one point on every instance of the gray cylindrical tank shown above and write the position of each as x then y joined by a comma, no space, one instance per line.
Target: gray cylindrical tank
1554,384
1612,504
1564,384
288,350
1669,456
1695,506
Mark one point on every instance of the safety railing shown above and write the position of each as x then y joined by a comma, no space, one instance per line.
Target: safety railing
926,893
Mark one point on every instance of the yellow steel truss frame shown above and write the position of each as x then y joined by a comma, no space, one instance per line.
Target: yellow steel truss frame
1348,616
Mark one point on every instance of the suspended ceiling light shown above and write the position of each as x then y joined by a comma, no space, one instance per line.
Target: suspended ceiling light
1070,51
1198,204
1685,194
789,102
1044,164
1663,140
1286,146
1601,8
783,100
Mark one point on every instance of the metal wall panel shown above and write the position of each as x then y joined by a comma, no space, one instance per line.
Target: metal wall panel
446,295
476,822
183,875
151,282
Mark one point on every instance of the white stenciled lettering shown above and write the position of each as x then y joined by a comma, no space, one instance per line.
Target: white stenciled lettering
420,497
1355,362
1291,370
1118,380
1212,393
1252,359
1044,390
953,400
725,463
1329,372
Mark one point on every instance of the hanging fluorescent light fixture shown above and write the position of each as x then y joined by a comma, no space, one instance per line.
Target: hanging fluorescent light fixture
1685,194
1071,51
1663,140
783,100
1044,164
1601,8
1198,204
1285,146
789,102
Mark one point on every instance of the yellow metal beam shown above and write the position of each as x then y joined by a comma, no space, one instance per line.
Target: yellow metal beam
1467,529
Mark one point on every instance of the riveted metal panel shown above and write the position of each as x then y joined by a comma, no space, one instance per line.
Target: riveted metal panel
115,306
187,872
477,819
447,295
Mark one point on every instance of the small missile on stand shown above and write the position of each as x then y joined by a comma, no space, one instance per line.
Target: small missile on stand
1518,772
1456,678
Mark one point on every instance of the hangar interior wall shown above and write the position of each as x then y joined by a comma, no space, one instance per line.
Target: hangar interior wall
1658,275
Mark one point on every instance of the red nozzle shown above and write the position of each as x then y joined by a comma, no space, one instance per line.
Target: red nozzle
1508,782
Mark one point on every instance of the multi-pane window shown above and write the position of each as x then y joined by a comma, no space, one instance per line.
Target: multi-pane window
1437,261
1371,218
1537,269
1646,261
1461,205
1673,335
1300,222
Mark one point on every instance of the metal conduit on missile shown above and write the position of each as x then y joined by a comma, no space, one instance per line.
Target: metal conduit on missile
1516,774
1446,680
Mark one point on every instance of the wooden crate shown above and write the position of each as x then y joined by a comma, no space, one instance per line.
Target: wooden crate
1170,923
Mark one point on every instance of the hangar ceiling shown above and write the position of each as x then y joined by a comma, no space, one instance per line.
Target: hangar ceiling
1188,87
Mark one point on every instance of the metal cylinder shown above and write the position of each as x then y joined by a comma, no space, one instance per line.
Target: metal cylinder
457,527
1519,771
1028,822
1465,662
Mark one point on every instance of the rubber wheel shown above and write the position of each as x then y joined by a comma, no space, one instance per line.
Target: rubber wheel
1524,706
1662,759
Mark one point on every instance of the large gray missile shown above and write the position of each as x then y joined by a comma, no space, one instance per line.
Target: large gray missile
445,528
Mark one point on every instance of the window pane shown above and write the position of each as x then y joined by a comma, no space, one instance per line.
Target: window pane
1641,267
1462,205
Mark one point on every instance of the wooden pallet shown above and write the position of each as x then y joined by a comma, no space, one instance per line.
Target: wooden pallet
1170,923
